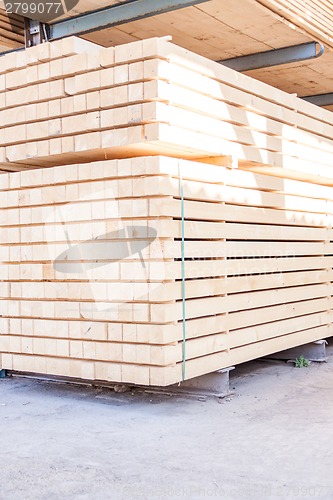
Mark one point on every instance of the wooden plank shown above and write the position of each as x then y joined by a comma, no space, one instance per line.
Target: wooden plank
217,361
254,151
194,230
171,270
228,267
247,301
192,61
170,250
225,104
162,334
131,292
170,167
197,210
143,355
198,327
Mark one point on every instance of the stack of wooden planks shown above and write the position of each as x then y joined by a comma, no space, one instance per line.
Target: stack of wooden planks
131,249
312,16
11,31
152,97
153,270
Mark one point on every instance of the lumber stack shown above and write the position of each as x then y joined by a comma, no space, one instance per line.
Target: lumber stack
153,269
11,31
131,248
152,97
315,16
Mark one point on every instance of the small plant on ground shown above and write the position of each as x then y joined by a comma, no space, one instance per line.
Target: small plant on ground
301,362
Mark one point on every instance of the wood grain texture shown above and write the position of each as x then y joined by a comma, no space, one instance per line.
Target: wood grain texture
11,31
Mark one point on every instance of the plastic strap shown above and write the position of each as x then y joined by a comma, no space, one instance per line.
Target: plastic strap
181,189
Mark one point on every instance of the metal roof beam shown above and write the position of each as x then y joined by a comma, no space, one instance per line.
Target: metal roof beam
116,15
275,57
320,99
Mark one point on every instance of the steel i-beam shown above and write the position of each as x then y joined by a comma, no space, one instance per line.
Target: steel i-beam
275,57
116,15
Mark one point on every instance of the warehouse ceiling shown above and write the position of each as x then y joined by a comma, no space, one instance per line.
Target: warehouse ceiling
219,29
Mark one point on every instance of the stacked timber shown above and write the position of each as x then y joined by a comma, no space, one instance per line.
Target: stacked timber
131,249
152,97
312,16
153,270
11,31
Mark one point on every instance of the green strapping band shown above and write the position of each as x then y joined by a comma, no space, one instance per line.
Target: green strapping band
183,270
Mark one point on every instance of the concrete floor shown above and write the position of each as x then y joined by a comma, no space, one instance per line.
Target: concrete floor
272,439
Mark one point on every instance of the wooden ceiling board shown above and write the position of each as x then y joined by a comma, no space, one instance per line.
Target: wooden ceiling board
205,30
252,20
213,29
306,78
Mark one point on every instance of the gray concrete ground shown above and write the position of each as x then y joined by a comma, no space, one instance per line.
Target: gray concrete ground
272,439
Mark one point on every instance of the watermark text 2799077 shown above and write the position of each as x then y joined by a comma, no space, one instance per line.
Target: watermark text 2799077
44,11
